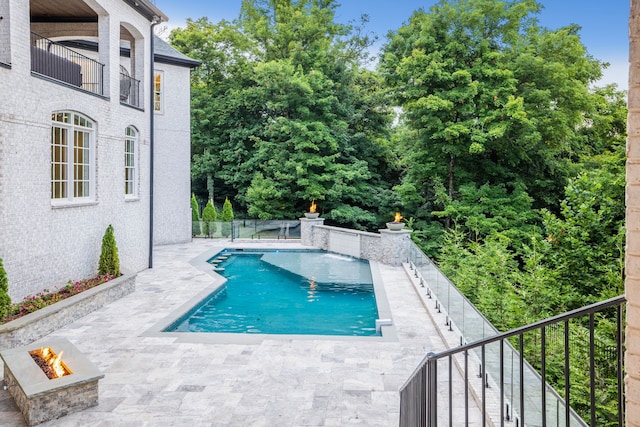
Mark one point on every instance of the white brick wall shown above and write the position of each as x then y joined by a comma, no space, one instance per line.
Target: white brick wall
171,198
44,247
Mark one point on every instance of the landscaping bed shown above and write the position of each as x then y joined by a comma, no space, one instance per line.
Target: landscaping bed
33,326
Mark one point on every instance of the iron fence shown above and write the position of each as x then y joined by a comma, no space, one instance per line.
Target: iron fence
129,89
58,62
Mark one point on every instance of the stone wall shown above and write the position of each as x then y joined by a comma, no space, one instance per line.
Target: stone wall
388,247
34,326
53,405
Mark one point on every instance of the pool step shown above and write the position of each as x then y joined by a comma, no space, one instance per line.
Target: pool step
218,269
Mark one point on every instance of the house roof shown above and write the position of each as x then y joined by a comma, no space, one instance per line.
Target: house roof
163,52
147,9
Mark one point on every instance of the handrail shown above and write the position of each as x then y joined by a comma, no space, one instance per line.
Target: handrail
422,385
129,89
60,63
579,312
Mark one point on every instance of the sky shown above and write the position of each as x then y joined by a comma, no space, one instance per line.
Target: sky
604,22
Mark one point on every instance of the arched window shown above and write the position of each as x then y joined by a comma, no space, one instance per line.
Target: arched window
72,157
130,162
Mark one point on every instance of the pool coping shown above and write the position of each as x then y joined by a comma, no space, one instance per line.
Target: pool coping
200,262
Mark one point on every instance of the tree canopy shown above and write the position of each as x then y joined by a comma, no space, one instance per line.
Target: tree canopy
284,112
496,103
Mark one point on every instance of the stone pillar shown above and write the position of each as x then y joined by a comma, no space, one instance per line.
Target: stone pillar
632,261
306,229
395,246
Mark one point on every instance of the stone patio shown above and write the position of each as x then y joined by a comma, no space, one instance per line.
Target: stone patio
167,381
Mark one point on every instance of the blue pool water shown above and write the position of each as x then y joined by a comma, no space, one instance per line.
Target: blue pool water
287,292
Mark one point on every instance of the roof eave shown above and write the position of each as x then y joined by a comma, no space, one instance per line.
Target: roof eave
147,9
191,63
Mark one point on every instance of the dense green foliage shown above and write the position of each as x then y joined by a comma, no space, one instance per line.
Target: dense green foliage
283,113
209,216
516,163
505,156
496,105
5,300
195,216
109,262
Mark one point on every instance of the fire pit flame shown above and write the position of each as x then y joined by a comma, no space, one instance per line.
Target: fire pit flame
50,363
313,206
397,217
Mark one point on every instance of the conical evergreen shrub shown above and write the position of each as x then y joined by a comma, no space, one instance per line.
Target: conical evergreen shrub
109,262
196,229
227,217
209,216
5,299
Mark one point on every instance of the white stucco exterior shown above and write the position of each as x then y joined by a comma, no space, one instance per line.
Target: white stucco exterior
45,243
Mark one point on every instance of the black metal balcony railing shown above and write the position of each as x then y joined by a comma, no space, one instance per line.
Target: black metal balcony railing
129,89
58,62
420,406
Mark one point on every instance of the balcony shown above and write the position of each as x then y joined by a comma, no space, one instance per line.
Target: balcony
129,89
57,62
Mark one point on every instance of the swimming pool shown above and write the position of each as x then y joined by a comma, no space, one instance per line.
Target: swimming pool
308,292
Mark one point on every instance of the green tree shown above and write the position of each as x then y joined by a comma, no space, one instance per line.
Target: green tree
210,216
196,230
5,299
493,100
226,217
284,113
109,262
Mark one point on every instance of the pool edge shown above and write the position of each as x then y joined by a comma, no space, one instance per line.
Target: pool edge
200,262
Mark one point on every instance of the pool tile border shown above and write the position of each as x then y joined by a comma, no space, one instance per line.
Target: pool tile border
200,262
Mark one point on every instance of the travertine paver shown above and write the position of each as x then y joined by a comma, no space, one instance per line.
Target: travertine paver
159,381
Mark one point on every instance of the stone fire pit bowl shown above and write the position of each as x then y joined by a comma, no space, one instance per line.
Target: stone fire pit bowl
40,398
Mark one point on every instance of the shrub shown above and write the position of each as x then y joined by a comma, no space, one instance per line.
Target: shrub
5,300
209,216
45,298
227,216
109,262
196,230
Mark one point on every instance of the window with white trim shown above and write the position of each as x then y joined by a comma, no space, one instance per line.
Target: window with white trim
72,157
158,89
130,162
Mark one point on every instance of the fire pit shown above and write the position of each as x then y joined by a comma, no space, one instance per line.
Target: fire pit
50,380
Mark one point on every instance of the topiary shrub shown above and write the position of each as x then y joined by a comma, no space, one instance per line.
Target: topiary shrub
209,216
5,299
227,217
196,229
109,262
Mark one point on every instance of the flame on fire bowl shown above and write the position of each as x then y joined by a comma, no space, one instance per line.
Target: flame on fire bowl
50,362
